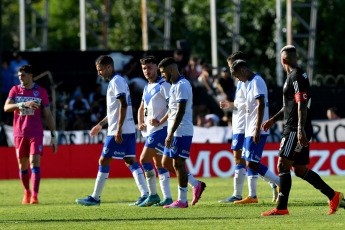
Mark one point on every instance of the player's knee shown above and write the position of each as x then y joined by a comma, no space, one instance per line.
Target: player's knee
239,161
299,171
129,161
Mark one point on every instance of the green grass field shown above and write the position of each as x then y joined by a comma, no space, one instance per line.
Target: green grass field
58,210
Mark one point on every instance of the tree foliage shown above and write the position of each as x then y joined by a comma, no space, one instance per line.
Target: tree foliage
191,22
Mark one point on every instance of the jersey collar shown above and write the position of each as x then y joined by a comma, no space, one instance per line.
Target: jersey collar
257,74
179,79
35,87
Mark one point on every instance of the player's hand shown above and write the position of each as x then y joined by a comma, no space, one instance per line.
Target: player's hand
169,140
154,122
267,124
226,104
118,136
142,126
302,137
256,136
28,104
53,141
95,130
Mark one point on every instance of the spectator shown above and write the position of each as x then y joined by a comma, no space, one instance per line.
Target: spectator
205,78
14,66
79,112
211,120
332,113
193,70
96,99
226,85
6,85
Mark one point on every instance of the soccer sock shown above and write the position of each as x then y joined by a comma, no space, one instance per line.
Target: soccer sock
284,189
315,180
164,181
267,174
192,181
102,177
182,194
150,178
35,180
25,178
240,176
252,182
139,178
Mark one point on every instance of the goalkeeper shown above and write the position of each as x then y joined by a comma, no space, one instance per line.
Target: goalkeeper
27,100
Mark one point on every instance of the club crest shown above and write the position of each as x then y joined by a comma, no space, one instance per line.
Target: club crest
36,93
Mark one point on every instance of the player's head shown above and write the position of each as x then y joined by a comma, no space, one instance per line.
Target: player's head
238,70
236,56
169,69
105,67
25,74
288,56
332,113
149,67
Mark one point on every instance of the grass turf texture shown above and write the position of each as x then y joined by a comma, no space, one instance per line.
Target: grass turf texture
58,210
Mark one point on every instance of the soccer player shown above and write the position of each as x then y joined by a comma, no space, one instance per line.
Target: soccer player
152,121
294,146
180,132
256,107
27,100
238,127
120,142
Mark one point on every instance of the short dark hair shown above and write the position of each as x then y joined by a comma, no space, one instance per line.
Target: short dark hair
166,62
333,109
26,68
236,56
236,65
105,60
148,59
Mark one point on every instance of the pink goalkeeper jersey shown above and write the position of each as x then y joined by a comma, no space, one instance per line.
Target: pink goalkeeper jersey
27,122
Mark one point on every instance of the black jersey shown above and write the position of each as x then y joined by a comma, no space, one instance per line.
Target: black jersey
296,88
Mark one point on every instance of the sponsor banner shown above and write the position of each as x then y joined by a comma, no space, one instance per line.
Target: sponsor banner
206,160
324,131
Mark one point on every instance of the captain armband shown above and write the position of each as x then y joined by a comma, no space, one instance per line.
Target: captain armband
301,96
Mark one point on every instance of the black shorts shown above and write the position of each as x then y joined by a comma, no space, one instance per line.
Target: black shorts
290,149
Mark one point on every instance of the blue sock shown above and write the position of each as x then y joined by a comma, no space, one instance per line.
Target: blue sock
134,166
161,170
262,169
147,166
251,172
240,167
104,169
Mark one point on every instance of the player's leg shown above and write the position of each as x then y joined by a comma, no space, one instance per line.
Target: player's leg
145,159
22,147
314,179
35,176
103,173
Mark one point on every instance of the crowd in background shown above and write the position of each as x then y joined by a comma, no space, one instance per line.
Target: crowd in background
81,110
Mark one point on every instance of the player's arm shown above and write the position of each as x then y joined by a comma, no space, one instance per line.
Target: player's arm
302,118
97,128
141,124
122,115
270,122
11,106
181,109
51,125
260,115
155,122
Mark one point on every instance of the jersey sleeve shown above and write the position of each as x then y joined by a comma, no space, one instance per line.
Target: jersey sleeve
301,86
119,88
181,93
259,87
45,98
12,94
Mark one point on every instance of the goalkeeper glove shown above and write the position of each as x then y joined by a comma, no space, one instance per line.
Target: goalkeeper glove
28,104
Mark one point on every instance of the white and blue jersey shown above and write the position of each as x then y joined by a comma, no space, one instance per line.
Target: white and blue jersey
155,98
256,88
116,88
239,116
181,91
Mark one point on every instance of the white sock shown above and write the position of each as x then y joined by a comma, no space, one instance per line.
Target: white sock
99,185
252,183
240,176
151,181
271,177
182,194
164,181
192,181
139,178
273,185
